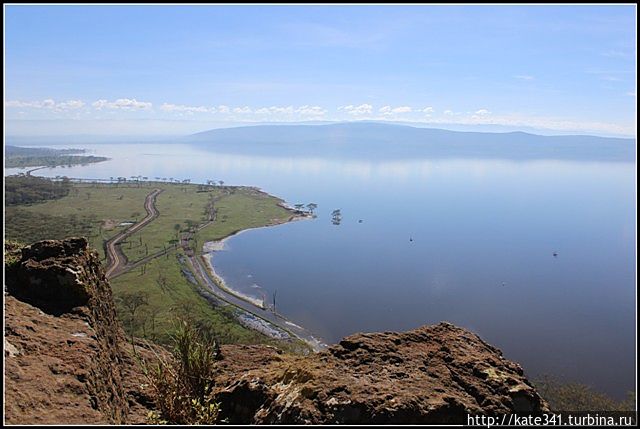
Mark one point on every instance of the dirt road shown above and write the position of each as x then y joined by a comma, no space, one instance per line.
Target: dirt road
117,260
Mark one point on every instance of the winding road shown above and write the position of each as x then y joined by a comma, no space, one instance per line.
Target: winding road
117,260
118,265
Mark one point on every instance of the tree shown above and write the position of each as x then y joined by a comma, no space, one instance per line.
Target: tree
162,281
311,207
336,217
132,301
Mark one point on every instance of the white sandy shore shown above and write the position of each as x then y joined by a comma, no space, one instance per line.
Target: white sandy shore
210,247
258,302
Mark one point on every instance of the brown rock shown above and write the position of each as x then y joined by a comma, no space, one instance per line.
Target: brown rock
65,362
434,374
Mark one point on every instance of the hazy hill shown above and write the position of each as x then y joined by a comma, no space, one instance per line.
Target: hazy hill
400,141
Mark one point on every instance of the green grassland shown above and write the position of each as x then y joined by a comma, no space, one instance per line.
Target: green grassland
181,206
100,207
169,294
160,287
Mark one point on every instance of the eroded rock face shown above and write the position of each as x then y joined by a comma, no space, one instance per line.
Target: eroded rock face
434,374
56,276
67,339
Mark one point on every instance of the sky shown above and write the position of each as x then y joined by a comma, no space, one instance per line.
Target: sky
180,69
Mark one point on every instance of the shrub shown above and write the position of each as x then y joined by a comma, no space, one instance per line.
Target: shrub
570,396
183,385
32,189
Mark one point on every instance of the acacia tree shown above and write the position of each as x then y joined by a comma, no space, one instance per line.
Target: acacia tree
311,207
132,301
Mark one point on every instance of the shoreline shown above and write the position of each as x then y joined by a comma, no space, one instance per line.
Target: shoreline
210,247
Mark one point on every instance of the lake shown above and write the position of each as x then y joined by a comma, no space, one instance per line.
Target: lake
469,241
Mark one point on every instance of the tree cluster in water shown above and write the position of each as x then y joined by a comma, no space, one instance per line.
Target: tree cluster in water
336,217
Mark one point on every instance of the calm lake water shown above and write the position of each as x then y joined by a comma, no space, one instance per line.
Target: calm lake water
468,241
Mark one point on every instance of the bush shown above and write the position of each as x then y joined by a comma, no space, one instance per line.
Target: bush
183,385
32,189
570,396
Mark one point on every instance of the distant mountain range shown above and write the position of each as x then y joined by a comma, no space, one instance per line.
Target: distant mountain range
376,140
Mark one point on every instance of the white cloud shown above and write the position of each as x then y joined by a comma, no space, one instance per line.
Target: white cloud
23,104
482,112
385,110
100,104
428,110
167,107
48,103
402,109
123,104
524,77
71,104
275,110
448,112
280,112
363,109
242,110
388,110
631,93
223,109
311,111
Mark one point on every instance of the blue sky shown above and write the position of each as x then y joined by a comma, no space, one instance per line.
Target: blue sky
157,69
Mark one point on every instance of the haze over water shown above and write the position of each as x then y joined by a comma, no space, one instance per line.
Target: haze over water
468,241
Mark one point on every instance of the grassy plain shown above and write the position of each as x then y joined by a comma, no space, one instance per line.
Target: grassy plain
162,285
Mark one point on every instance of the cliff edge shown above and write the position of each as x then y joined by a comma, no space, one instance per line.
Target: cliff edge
66,357
67,361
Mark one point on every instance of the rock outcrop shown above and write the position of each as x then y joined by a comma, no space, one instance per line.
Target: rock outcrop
434,374
65,351
67,361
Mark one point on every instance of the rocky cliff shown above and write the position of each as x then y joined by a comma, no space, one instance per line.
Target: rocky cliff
67,361
66,356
